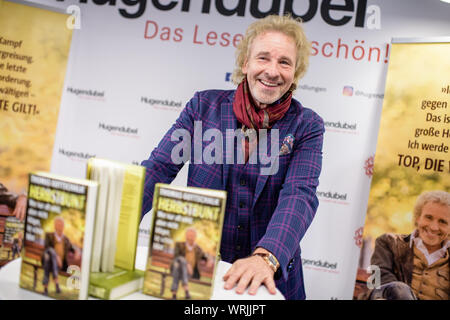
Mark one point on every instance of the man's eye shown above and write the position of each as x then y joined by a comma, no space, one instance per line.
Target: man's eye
286,63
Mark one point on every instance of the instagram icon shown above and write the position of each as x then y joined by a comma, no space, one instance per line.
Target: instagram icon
348,91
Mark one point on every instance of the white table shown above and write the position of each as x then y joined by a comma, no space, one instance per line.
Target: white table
10,290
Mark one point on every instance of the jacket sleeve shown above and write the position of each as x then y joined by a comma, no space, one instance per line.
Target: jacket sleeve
161,167
297,202
384,258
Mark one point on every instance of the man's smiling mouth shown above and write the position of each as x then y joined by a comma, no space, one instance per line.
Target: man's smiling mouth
269,84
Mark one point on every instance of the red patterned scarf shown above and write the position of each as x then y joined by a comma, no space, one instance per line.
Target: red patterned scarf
251,117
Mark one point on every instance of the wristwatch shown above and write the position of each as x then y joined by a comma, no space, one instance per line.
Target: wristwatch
269,259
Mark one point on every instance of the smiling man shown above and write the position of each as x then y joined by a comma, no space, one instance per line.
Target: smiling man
266,214
416,266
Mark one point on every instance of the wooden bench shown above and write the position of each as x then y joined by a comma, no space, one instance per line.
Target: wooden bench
34,251
360,283
164,260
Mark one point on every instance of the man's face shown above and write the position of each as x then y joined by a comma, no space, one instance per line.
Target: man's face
433,225
59,227
190,237
270,67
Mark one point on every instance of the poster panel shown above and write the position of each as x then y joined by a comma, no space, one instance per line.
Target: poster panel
34,49
412,156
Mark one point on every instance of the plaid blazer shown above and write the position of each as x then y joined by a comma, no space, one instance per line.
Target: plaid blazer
283,204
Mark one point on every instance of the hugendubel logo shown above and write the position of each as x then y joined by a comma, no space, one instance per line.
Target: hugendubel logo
163,103
75,155
320,264
333,14
118,130
331,195
87,93
339,126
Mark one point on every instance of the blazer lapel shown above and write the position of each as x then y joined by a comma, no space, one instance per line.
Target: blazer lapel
284,127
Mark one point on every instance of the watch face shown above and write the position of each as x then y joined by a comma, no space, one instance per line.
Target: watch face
272,260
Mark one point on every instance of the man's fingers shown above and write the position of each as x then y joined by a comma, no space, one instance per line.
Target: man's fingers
270,284
251,275
244,282
256,283
235,269
229,273
231,281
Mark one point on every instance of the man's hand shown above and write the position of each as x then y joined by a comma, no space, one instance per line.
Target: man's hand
20,208
253,271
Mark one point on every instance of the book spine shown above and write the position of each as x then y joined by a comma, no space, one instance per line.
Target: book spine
99,292
130,213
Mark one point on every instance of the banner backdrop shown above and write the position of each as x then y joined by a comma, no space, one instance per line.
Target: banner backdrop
134,64
413,144
34,48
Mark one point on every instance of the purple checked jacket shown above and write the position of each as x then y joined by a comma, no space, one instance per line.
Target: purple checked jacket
270,211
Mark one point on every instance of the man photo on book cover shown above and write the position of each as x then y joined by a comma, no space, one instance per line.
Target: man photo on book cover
416,266
185,264
55,255
17,244
269,205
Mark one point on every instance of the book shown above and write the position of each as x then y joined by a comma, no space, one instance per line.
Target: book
121,188
59,228
184,242
11,235
116,284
